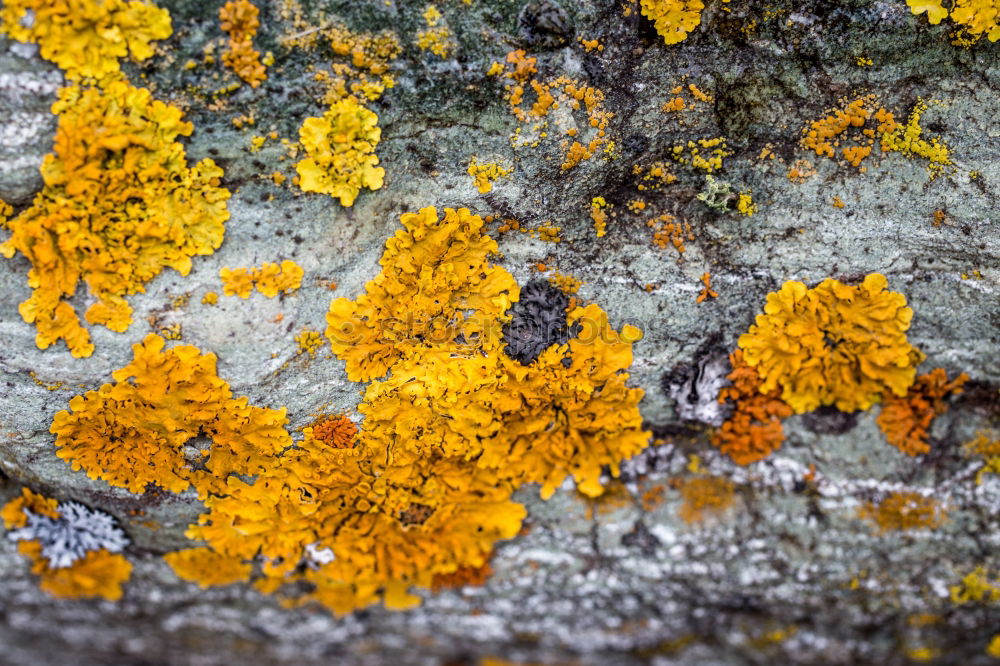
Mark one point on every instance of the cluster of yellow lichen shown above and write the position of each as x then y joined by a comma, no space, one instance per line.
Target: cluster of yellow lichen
977,587
704,154
366,76
988,448
270,279
158,404
436,37
86,38
678,103
847,131
240,22
98,573
833,344
119,205
976,18
485,173
553,110
905,420
904,510
340,148
673,19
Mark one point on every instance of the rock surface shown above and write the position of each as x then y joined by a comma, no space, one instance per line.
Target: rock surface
789,574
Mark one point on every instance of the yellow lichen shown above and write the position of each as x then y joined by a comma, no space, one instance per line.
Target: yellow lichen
988,448
86,38
240,22
907,140
485,173
340,149
673,19
309,341
754,429
905,421
704,154
454,295
833,344
158,403
210,298
978,18
116,159
236,282
206,567
976,587
437,36
599,215
904,511
271,279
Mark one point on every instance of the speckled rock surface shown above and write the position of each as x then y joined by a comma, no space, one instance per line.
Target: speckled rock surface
789,574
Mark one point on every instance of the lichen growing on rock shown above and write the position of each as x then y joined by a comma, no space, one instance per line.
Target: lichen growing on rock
340,148
86,38
674,19
833,344
74,550
976,17
538,320
240,22
119,205
906,420
270,279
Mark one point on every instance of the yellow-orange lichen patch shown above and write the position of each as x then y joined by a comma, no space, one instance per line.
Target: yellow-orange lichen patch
309,341
668,231
703,496
337,431
206,567
599,214
704,154
706,289
905,421
240,22
272,279
908,140
674,19
485,173
977,587
116,160
86,38
454,296
830,133
987,447
977,18
904,510
754,430
340,148
437,36
463,577
158,404
833,344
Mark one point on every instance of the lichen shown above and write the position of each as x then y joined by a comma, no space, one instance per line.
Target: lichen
116,158
904,510
674,19
977,587
484,174
240,22
437,36
538,320
158,407
86,38
74,550
833,344
905,421
340,148
704,496
987,447
754,430
976,17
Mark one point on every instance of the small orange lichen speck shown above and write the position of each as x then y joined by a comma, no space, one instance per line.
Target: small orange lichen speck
116,158
706,290
754,430
905,421
904,510
703,496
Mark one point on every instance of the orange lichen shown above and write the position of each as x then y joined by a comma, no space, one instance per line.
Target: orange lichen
754,430
703,496
463,577
825,135
206,567
159,403
338,431
565,283
86,38
667,231
340,148
706,290
116,159
904,510
236,282
240,22
905,421
454,295
673,19
833,344
599,214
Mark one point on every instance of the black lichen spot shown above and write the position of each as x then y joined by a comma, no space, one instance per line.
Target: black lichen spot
539,320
